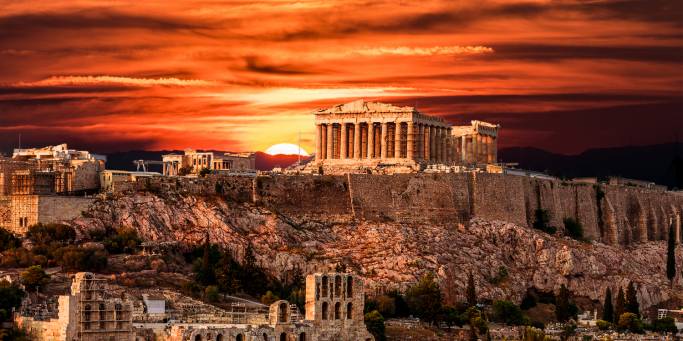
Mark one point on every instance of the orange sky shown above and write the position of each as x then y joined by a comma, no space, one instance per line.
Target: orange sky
238,75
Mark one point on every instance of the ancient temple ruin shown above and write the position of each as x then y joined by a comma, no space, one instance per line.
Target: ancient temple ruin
370,134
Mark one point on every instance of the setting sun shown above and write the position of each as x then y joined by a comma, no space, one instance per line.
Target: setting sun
286,149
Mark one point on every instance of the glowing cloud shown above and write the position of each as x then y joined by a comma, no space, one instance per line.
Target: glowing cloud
425,51
114,80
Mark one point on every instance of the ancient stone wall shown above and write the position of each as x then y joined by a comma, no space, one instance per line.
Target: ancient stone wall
610,214
53,209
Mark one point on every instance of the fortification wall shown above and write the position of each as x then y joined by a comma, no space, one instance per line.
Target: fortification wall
52,209
610,214
435,198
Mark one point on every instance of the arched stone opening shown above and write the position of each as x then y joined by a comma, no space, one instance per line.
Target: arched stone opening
337,311
325,308
349,311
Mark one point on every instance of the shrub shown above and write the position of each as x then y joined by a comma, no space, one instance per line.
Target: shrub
73,258
51,233
573,228
10,298
424,298
534,334
603,325
211,293
269,298
34,278
542,221
204,172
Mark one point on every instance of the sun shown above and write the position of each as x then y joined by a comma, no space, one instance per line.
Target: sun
286,149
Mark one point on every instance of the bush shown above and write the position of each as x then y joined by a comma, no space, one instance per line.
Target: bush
424,298
211,293
73,258
386,305
46,234
269,298
535,334
664,325
204,172
603,325
542,221
630,322
34,278
573,228
126,240
508,313
374,321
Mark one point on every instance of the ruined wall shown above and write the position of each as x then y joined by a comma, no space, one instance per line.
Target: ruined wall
498,197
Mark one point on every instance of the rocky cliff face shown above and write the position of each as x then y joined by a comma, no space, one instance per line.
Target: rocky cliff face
394,253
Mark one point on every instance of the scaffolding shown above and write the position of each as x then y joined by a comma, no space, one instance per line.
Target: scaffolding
99,317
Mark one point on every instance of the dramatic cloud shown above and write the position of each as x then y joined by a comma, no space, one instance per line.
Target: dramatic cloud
242,75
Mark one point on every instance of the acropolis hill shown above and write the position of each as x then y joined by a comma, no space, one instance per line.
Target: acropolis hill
392,228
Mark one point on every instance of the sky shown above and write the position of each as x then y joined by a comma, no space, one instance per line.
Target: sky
563,76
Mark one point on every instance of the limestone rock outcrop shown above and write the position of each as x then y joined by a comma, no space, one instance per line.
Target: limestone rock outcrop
505,258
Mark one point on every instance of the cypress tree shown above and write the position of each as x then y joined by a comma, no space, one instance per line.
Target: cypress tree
608,309
632,305
619,306
471,292
671,255
562,305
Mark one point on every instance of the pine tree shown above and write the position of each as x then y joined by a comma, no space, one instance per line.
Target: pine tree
671,255
608,309
632,305
471,292
619,306
562,305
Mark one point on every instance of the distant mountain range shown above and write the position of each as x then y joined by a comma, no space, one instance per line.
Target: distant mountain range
662,163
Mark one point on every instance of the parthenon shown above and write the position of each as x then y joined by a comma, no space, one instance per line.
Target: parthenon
370,133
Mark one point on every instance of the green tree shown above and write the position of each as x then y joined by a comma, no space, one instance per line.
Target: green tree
204,172
607,308
479,326
45,234
632,305
603,325
386,305
269,298
424,298
671,255
8,240
374,321
562,309
34,278
211,293
471,291
542,221
664,325
535,334
508,313
630,321
620,306
126,240
10,298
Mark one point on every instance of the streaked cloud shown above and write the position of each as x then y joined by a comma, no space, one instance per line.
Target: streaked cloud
425,51
113,80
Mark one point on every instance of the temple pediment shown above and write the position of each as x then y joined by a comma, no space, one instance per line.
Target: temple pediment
361,106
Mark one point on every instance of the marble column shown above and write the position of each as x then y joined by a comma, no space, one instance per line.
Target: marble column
356,141
371,140
410,144
318,142
432,143
419,140
427,143
494,147
397,140
323,142
343,144
330,141
383,141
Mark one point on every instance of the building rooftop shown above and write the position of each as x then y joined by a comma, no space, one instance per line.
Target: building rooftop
361,106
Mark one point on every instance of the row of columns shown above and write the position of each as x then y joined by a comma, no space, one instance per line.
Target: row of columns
369,140
477,148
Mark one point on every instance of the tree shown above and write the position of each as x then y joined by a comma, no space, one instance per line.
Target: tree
204,172
34,278
620,305
211,293
632,305
535,334
664,325
607,308
8,240
386,305
542,221
471,291
671,255
126,240
269,298
424,298
374,321
10,298
630,321
508,313
562,309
